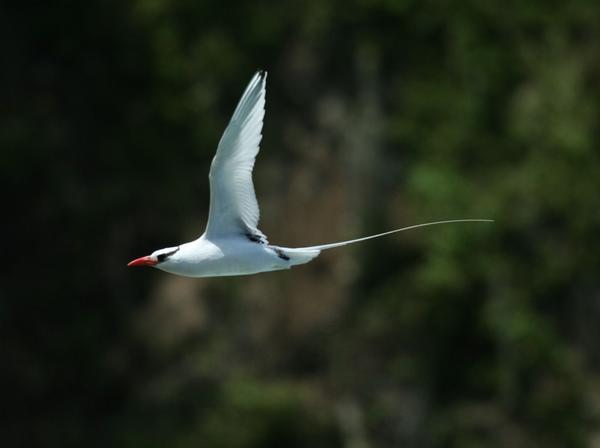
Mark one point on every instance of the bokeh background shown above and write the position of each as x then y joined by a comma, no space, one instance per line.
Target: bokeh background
380,114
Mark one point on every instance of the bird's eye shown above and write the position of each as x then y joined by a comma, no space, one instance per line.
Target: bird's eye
162,257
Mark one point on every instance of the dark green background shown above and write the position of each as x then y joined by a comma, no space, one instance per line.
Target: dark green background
380,114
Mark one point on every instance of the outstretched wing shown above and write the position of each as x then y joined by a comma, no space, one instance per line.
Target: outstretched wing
233,206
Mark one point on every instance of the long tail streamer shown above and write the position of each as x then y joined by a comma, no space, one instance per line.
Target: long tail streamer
344,243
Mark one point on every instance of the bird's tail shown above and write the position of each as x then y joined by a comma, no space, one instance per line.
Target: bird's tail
300,255
321,247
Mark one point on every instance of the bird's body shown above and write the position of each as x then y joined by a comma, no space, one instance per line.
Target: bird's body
232,244
231,256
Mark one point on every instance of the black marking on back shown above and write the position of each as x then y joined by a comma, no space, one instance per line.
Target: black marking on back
255,238
281,254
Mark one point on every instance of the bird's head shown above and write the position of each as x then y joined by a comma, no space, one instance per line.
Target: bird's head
157,257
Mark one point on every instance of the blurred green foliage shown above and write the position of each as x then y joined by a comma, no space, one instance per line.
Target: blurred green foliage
379,113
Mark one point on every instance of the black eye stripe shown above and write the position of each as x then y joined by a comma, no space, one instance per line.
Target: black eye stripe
163,257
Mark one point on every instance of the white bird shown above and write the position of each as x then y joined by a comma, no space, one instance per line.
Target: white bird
232,243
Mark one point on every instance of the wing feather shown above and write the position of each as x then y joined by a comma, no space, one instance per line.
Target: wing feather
233,205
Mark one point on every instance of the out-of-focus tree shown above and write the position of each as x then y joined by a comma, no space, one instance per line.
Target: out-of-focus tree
379,113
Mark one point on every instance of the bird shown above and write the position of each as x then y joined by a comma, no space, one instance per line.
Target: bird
232,244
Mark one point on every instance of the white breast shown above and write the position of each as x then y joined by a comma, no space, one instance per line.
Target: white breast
231,256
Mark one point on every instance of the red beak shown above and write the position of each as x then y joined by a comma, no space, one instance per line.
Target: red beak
144,261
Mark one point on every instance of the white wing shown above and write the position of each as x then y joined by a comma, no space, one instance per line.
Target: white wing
233,206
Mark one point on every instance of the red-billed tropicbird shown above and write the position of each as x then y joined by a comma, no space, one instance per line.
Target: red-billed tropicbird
232,243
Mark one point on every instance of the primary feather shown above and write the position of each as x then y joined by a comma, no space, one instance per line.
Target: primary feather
233,205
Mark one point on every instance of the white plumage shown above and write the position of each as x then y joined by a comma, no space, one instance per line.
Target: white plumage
232,196
232,243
